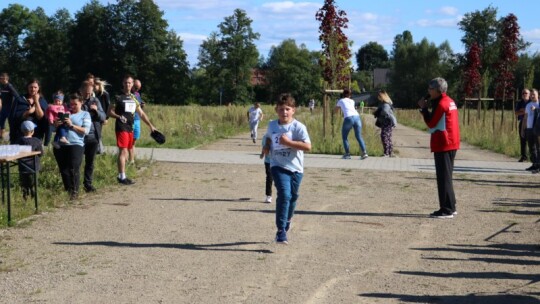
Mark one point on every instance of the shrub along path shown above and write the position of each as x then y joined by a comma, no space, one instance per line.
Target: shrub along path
199,233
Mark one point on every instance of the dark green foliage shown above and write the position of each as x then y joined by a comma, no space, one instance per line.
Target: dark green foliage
226,62
294,70
414,65
370,56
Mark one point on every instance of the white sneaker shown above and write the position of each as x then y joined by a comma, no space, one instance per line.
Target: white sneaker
364,156
268,199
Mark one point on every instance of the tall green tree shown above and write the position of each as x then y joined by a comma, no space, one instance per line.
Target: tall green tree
414,65
172,73
15,24
370,56
294,69
240,55
48,50
209,78
91,48
336,53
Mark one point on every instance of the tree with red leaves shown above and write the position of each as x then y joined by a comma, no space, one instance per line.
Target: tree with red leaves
471,75
508,57
336,55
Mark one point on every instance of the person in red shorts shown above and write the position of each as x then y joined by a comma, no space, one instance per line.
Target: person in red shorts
124,111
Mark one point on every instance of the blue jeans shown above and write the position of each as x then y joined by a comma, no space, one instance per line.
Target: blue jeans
348,124
287,186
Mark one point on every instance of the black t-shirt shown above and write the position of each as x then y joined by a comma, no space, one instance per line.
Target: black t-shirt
126,105
29,161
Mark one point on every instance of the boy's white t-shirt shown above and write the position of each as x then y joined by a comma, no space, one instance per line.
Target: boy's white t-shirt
347,107
254,114
283,156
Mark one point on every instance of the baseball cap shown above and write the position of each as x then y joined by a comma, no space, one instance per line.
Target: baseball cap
28,125
158,137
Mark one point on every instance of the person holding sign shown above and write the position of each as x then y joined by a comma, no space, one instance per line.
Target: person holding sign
287,139
124,111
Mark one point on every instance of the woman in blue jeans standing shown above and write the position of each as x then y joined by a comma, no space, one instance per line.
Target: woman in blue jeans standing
351,121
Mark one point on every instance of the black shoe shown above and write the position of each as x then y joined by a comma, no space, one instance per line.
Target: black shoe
522,159
531,168
89,188
73,196
535,171
441,215
125,181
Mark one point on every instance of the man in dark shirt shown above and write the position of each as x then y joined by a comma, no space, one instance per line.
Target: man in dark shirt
123,111
520,112
7,94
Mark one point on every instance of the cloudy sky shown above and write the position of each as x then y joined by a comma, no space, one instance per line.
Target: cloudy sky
276,21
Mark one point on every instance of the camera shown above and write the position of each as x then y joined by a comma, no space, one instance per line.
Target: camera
63,116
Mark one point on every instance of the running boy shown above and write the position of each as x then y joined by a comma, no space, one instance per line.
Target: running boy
288,139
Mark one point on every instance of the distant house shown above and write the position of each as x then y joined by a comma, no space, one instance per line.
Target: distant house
381,78
258,77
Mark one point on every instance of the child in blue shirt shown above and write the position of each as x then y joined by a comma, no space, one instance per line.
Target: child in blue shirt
287,139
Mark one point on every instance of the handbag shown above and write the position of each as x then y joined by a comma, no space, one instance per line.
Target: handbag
378,122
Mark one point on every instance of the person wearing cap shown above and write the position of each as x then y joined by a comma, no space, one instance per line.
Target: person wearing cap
26,165
55,112
69,156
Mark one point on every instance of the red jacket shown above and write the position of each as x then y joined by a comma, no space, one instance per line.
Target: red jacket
445,136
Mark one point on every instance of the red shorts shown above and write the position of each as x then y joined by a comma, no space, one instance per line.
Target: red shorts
124,139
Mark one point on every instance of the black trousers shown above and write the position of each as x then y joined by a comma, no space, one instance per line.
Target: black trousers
69,159
90,151
444,168
522,141
268,179
532,142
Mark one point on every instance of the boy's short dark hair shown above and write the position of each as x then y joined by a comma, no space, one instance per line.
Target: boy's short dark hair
286,99
75,96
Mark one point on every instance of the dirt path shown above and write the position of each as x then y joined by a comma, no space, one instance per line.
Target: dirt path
195,233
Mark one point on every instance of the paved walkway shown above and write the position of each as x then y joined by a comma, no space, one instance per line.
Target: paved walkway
332,161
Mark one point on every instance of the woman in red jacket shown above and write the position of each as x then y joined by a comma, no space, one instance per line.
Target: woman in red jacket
443,123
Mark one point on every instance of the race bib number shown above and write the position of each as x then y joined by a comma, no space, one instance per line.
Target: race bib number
130,106
275,141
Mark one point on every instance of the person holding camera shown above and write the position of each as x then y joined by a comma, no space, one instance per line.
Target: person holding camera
69,156
443,124
58,111
92,105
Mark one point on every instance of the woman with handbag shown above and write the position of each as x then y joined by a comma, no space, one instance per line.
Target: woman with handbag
386,120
